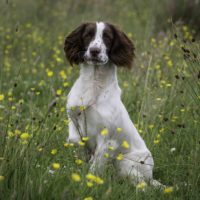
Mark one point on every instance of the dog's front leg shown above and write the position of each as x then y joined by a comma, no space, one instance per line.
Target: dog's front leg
74,135
102,151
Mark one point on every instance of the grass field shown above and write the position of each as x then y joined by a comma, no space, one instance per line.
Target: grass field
161,94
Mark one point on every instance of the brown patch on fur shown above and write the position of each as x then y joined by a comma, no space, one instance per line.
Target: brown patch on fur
108,37
122,49
74,46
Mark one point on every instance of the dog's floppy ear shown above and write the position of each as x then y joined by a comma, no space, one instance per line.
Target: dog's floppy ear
122,49
73,45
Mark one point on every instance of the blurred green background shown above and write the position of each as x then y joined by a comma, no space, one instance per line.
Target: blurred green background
143,18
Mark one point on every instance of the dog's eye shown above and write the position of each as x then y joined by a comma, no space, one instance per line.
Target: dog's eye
88,34
87,37
107,39
106,36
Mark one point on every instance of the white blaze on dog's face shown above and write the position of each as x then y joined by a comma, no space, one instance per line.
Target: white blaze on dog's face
97,44
96,52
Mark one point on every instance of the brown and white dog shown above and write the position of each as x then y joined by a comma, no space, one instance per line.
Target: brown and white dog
94,104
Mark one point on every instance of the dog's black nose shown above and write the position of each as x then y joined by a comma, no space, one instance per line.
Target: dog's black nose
94,51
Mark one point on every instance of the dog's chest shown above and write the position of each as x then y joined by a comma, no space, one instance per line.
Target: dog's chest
92,108
93,86
92,101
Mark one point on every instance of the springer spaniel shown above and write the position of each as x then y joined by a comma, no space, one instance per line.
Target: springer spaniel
94,105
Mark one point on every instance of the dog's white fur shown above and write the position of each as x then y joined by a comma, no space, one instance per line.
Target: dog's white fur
97,90
98,43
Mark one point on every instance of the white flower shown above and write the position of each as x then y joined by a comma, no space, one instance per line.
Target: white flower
173,149
51,171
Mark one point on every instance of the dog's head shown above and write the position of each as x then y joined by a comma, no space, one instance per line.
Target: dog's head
97,44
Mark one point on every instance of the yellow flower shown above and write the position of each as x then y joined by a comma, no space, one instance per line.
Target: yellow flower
125,144
98,180
75,177
156,141
49,73
153,40
82,108
63,74
93,178
151,126
10,134
68,145
41,83
140,130
66,121
62,109
141,185
161,130
17,132
171,43
59,92
125,84
2,178
111,148
158,136
78,161
56,166
106,155
1,97
185,28
13,107
119,130
90,177
174,117
54,151
65,84
168,85
89,184
24,136
119,156
81,143
157,67
72,108
104,131
59,60
88,198
170,63
163,82
21,101
39,149
168,190
85,139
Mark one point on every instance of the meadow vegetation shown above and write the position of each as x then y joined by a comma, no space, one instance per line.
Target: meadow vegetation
161,94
